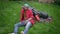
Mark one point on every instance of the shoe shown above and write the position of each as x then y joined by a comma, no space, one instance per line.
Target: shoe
22,32
11,33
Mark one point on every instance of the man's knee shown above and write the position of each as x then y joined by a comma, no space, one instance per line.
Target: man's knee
27,27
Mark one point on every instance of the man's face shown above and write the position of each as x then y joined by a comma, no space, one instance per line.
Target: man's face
25,7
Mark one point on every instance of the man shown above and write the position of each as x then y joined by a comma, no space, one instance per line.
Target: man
27,20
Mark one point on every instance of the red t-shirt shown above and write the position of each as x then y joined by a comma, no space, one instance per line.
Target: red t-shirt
28,14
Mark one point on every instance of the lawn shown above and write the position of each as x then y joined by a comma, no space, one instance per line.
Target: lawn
10,15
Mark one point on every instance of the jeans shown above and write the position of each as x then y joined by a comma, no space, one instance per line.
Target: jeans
20,24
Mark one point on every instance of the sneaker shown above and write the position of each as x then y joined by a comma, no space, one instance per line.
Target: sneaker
22,32
11,33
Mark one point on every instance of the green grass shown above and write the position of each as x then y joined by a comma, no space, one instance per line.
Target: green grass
10,14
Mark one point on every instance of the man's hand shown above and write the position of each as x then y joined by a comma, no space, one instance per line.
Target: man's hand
28,20
37,17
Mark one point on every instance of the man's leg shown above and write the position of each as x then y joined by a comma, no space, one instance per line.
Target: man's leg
17,26
28,25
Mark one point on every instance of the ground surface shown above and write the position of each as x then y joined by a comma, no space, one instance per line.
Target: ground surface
10,14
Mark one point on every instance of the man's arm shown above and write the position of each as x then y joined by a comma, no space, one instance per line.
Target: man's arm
29,19
21,15
37,17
